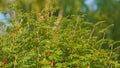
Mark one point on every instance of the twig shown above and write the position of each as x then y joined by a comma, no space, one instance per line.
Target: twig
111,51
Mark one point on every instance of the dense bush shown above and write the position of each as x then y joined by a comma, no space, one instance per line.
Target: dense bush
36,41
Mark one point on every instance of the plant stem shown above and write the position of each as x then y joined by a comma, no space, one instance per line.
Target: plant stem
91,33
37,57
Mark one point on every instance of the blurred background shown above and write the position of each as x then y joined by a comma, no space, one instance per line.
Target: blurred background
95,10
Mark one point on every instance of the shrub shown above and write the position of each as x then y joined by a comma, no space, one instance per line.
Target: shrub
33,42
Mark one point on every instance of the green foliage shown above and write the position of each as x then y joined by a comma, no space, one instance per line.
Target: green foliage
31,42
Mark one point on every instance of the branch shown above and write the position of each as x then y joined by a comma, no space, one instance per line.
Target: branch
60,15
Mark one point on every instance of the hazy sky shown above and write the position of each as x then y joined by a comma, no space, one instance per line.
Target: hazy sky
3,18
91,4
